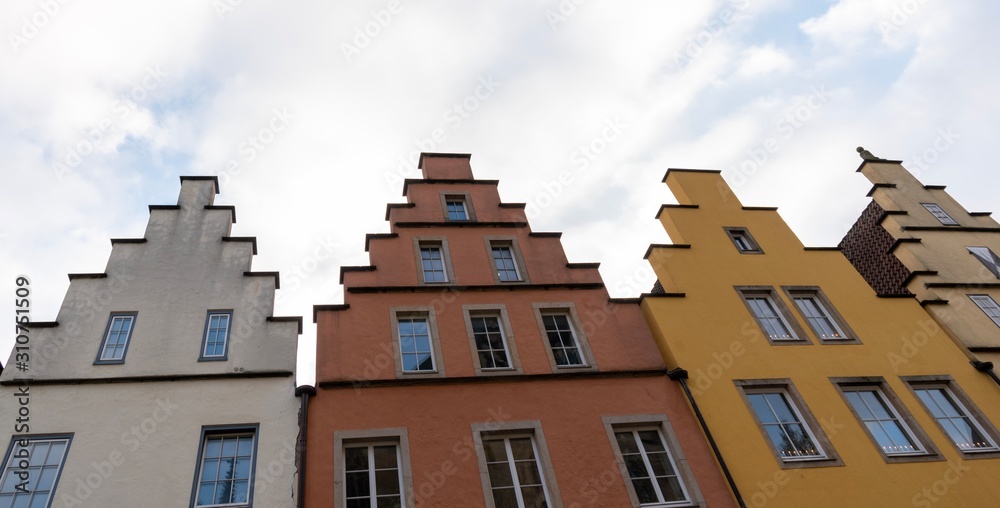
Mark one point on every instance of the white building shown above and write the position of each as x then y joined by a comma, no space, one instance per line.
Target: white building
164,381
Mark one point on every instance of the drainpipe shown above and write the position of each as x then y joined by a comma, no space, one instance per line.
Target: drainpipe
986,368
304,392
680,375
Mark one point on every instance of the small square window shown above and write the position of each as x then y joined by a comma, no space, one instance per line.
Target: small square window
116,338
988,305
988,258
957,417
215,342
226,463
939,214
457,207
45,459
456,210
771,315
743,241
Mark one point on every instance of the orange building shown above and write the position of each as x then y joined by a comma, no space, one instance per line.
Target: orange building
471,365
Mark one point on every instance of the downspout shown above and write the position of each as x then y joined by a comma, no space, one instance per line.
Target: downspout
304,392
681,376
986,368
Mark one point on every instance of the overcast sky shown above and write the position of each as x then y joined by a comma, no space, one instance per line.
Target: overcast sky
311,113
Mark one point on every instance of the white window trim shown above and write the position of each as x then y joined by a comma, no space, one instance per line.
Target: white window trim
847,335
347,438
209,432
992,264
897,418
984,302
515,252
796,334
510,343
579,334
974,416
737,233
441,243
410,312
532,429
369,447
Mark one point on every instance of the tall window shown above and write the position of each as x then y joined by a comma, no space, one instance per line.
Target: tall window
988,305
791,437
116,338
433,264
954,418
225,469
766,310
456,209
415,350
882,421
651,469
515,474
819,314
988,258
373,476
940,214
505,263
491,345
44,459
562,340
216,340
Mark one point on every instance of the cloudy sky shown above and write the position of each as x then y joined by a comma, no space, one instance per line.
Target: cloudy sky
311,113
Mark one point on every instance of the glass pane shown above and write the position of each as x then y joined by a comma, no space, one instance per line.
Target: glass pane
242,469
881,437
781,407
39,502
478,325
358,503
671,489
386,482
226,469
505,498
495,450
241,491
651,441
636,467
500,475
760,406
357,484
660,464
245,448
229,447
389,502
644,490
210,470
521,449
858,404
876,404
46,478
533,496
527,473
385,457
206,495
486,361
626,442
356,459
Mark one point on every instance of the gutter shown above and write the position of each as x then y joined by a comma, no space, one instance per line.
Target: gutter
986,368
304,392
680,375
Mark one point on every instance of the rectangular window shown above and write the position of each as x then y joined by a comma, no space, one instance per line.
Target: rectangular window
769,313
515,474
373,476
225,472
651,469
42,460
491,345
456,209
940,214
433,264
116,338
743,241
784,426
988,258
989,306
562,340
215,344
822,317
506,265
415,349
882,421
965,431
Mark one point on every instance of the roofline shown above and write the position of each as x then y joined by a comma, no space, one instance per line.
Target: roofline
420,162
214,179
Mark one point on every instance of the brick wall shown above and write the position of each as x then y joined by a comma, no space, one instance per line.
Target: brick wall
867,245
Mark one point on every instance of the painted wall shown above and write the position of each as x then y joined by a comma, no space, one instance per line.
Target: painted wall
702,325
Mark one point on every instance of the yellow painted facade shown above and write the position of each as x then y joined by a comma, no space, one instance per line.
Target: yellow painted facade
704,324
945,274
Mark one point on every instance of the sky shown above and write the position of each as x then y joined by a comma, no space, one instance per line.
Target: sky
312,113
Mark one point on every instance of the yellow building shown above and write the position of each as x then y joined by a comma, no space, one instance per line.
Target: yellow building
818,392
915,239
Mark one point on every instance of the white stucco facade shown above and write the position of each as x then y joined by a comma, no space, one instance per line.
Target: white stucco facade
137,424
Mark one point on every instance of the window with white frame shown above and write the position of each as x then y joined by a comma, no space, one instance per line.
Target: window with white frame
988,258
432,263
783,423
43,459
988,305
225,472
562,340
491,345
455,208
373,476
215,344
515,473
882,420
966,432
818,314
505,262
764,306
116,338
416,352
743,241
939,214
652,472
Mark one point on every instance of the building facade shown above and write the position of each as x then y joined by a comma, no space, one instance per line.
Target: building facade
916,240
472,365
818,391
164,381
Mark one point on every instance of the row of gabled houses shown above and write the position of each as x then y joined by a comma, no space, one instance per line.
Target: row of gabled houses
472,365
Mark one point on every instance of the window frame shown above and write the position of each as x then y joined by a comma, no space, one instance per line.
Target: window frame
993,265
209,431
583,344
907,423
735,233
498,311
134,317
937,212
805,417
202,357
995,305
506,430
17,440
466,200
969,409
410,312
830,311
441,243
511,243
397,436
675,452
780,307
